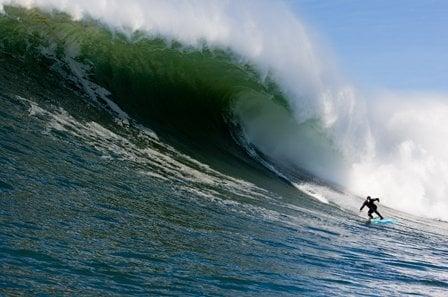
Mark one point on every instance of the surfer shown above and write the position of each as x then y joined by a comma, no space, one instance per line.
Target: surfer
370,203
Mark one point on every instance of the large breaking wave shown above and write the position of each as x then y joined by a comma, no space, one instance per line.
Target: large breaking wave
248,71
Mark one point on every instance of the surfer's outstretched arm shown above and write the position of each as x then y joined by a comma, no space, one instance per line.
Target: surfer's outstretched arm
376,199
362,206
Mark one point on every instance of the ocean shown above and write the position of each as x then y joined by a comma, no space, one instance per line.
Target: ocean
136,162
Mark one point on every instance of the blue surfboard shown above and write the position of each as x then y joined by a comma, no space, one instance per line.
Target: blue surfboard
378,221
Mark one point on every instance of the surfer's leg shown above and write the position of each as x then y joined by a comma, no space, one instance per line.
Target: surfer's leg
381,217
370,213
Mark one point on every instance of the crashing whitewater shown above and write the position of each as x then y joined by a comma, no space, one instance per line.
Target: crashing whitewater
293,106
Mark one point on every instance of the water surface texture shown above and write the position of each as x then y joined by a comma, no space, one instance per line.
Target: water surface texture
126,170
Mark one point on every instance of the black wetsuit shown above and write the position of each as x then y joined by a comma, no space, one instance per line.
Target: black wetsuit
372,207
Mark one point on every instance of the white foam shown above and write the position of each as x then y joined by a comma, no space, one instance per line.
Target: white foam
165,163
308,189
409,169
79,75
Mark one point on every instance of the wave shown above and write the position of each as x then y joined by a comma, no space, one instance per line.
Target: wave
176,86
217,71
159,81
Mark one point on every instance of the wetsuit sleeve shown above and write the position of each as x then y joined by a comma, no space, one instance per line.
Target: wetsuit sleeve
364,204
376,199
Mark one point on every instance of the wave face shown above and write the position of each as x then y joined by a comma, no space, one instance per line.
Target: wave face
144,153
248,72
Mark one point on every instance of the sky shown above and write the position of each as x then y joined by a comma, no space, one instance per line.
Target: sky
384,44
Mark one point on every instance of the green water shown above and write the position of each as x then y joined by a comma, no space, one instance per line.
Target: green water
165,201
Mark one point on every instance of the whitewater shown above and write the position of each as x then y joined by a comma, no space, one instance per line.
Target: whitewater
207,148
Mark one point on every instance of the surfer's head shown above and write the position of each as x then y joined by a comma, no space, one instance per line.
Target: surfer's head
368,198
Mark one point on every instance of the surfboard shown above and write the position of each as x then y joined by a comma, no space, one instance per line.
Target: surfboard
378,221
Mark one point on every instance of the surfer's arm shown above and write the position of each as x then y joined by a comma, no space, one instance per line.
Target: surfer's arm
364,204
376,199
